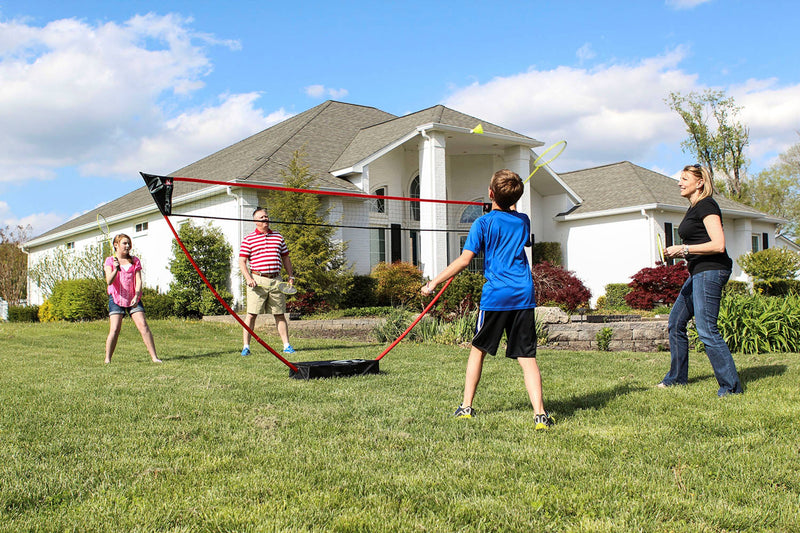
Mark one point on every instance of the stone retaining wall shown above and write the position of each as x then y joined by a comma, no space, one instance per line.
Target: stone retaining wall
645,336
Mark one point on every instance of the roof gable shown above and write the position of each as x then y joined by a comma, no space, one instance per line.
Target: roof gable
625,185
372,139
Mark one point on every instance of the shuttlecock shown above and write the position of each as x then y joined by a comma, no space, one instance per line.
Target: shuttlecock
477,129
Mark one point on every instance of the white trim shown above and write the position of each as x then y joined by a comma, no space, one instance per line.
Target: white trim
664,207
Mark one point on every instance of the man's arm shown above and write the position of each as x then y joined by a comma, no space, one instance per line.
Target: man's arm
246,272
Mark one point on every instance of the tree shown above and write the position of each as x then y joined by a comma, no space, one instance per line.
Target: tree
775,190
716,138
212,254
62,264
13,264
318,260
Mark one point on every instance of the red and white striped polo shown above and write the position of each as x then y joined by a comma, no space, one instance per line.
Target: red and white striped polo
264,250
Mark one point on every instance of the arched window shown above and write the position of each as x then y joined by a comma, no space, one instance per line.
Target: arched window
471,213
379,204
414,193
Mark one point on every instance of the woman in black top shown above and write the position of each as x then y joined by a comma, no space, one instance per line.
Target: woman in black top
709,269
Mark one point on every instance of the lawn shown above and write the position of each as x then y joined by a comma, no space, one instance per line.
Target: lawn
211,441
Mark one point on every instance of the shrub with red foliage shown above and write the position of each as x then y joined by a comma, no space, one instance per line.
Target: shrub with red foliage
555,284
659,285
306,303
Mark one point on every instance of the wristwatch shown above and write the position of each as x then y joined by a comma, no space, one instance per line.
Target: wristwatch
685,250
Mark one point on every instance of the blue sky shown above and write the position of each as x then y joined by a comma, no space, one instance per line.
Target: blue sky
92,92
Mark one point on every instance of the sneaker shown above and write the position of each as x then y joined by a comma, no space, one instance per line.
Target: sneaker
245,352
289,349
542,421
464,412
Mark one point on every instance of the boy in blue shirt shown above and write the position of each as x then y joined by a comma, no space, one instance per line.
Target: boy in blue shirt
507,301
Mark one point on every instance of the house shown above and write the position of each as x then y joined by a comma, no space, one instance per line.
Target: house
606,218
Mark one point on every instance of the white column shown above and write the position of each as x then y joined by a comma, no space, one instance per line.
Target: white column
433,184
518,159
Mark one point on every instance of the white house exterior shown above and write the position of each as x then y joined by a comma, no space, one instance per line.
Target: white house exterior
606,219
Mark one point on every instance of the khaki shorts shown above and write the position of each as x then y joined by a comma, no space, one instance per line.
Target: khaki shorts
265,297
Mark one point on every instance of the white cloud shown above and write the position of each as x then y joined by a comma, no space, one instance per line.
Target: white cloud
319,91
685,4
617,112
189,137
38,222
71,91
585,53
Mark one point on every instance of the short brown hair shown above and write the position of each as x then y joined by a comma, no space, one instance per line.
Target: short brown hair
507,188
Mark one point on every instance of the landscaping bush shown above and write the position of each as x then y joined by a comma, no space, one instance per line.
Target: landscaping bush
395,324
735,287
306,303
777,287
659,285
80,299
361,293
546,252
556,285
772,263
615,296
157,305
46,312
753,324
462,296
398,283
23,313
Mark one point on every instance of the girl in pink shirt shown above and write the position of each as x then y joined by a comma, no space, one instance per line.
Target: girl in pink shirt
124,279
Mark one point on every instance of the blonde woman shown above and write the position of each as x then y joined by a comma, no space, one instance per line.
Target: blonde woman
703,248
124,280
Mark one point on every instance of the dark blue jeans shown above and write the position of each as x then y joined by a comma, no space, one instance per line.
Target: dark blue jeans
700,297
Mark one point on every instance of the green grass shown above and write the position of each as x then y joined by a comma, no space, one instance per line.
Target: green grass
211,441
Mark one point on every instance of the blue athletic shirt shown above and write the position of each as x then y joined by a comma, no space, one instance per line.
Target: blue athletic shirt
502,236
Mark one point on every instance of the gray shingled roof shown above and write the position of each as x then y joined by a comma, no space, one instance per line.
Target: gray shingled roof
624,184
371,139
323,132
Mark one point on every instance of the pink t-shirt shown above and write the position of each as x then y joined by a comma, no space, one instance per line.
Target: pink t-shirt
123,288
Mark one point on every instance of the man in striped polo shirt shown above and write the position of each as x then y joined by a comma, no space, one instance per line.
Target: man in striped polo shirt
265,251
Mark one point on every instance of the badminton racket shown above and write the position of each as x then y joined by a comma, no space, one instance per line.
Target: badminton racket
660,245
287,288
541,161
102,225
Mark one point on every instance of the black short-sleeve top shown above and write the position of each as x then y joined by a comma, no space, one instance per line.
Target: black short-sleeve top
692,231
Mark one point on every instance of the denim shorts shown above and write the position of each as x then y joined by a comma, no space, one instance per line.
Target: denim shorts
114,309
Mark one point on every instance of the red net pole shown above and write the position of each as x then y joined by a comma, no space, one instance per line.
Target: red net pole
422,314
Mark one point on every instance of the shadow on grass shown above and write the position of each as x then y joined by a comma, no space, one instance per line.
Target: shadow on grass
754,373
592,400
197,355
748,374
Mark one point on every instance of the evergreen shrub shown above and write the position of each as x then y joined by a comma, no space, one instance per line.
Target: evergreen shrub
361,293
23,313
549,252
80,299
